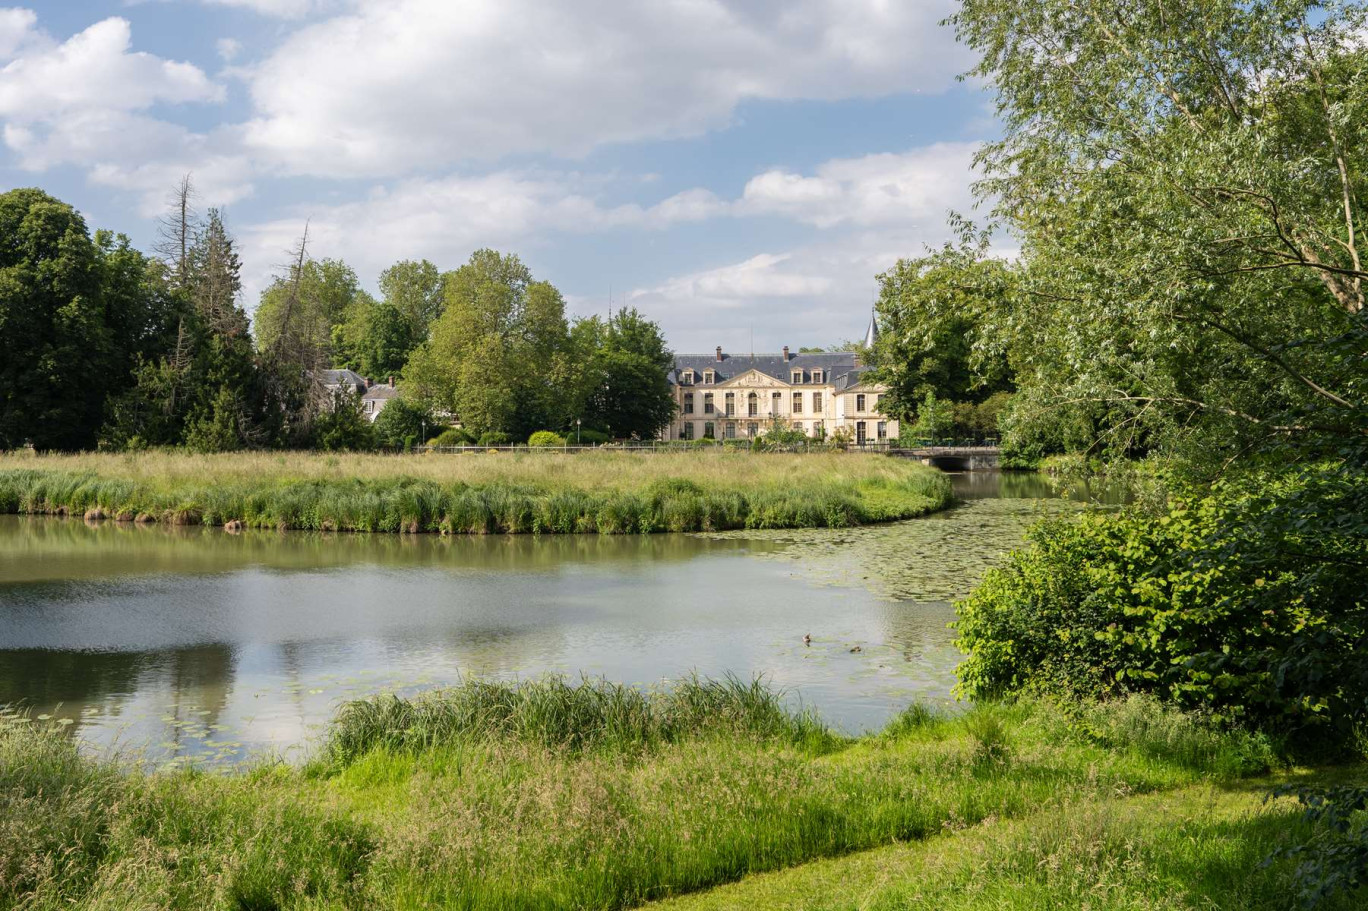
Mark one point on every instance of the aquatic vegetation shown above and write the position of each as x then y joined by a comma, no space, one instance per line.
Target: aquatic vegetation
548,493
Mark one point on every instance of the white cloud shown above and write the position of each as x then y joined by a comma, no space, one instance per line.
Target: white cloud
920,185
767,275
403,84
94,70
819,293
289,9
16,27
85,102
228,49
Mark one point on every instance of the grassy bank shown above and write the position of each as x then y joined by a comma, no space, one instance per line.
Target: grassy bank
607,493
593,796
1197,848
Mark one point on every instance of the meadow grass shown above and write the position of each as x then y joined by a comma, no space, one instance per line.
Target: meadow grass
1200,848
548,794
478,493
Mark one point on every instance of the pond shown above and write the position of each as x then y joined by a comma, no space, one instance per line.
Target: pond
197,644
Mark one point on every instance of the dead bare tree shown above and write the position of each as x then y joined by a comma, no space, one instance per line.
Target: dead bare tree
176,230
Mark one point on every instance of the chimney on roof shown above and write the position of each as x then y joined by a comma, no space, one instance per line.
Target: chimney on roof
391,382
786,354
719,353
368,382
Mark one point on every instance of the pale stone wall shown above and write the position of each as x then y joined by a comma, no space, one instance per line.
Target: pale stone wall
820,409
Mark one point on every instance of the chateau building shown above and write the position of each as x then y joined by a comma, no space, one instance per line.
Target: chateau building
727,396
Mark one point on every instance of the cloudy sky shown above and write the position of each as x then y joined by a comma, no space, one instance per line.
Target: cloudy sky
727,166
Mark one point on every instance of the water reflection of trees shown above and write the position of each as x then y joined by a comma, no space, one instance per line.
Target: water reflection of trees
41,548
44,679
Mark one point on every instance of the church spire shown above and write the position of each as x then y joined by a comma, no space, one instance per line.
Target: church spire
872,334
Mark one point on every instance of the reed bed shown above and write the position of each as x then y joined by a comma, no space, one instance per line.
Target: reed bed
544,493
553,713
549,794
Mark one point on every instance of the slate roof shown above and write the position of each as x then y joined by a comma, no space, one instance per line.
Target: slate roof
839,368
380,391
343,378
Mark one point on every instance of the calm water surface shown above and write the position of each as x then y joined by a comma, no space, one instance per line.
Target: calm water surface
196,643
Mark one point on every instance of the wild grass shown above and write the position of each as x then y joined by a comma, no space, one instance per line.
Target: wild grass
549,794
546,493
1198,848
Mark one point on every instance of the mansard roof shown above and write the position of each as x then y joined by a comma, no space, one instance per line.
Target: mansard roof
835,365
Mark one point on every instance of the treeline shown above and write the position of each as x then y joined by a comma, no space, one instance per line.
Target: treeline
106,346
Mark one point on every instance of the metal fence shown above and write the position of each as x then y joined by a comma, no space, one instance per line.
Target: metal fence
759,444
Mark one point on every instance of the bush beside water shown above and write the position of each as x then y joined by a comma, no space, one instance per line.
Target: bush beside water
1247,602
603,493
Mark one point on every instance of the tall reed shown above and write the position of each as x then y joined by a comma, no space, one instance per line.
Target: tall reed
543,494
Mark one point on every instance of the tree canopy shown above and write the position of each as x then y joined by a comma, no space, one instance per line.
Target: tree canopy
1186,182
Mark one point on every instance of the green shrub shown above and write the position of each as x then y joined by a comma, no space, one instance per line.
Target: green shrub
588,437
1247,602
494,438
452,436
546,439
399,422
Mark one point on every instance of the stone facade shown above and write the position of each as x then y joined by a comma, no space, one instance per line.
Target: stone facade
738,396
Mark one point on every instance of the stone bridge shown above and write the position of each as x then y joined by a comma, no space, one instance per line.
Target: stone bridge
953,458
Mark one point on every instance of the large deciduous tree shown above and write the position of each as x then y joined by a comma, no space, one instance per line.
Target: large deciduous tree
75,315
1187,181
620,367
933,310
496,355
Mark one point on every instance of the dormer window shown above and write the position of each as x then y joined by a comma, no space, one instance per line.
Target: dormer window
709,376
687,378
797,376
816,376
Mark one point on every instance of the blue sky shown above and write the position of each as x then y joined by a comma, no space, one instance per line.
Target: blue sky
726,167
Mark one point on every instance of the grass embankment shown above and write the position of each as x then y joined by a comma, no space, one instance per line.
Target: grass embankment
593,796
608,493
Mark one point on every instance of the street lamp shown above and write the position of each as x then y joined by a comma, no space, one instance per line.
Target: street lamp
577,431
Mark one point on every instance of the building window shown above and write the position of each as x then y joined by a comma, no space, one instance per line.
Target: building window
819,429
798,426
860,402
687,378
370,407
751,429
860,432
816,376
752,405
797,403
797,376
731,430
686,431
731,404
816,403
709,433
688,403
709,376
707,403
776,402
883,431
